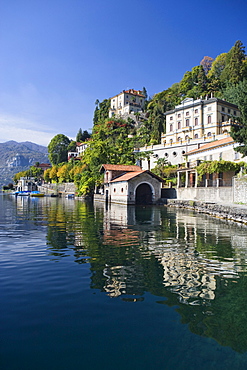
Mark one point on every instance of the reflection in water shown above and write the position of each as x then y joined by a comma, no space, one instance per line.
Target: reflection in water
198,264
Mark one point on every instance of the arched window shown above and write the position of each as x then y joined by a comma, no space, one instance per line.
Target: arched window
196,121
171,127
209,119
209,134
196,136
179,124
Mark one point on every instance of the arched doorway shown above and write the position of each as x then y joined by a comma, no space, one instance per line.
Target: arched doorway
144,194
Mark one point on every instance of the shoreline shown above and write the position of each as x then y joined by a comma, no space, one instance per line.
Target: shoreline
230,212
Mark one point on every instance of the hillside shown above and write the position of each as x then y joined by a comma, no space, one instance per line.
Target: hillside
16,157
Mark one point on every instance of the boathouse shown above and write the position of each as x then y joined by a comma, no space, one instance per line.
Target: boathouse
129,185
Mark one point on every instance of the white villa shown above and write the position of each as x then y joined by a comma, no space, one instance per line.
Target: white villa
190,125
80,149
128,101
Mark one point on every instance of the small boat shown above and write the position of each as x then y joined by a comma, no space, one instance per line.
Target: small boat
70,196
37,194
23,193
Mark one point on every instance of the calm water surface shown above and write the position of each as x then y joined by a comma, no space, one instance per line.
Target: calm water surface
82,287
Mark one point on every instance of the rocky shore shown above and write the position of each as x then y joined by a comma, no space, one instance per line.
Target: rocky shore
231,212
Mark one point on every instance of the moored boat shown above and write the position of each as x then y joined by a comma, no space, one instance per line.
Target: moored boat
23,193
37,194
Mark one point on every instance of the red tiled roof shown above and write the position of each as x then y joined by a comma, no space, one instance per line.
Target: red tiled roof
121,167
127,176
214,144
131,175
44,165
131,92
134,92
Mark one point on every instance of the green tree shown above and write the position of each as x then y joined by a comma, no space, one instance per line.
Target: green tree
72,146
194,83
235,68
82,136
111,143
101,111
237,94
79,136
218,66
58,149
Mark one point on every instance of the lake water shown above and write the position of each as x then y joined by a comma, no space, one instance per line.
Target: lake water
84,287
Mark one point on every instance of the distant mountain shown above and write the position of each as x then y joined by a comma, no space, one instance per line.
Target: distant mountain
16,157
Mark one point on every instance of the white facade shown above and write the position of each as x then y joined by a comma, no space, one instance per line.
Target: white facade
196,119
129,101
218,150
80,148
190,125
125,191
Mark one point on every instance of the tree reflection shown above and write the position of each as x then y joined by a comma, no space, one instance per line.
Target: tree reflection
192,262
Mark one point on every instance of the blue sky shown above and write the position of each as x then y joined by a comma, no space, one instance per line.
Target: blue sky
59,56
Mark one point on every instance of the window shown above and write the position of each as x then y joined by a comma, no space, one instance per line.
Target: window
183,152
209,119
210,157
114,190
196,136
171,118
196,121
223,109
175,154
196,111
236,155
229,110
187,137
179,115
209,134
234,112
166,154
122,190
187,122
220,156
179,125
187,113
171,127
222,118
209,108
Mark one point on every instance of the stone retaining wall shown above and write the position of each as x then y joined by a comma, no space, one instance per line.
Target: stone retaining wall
227,212
210,194
68,188
240,189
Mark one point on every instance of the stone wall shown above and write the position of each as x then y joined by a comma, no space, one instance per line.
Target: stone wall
227,212
240,190
64,188
210,194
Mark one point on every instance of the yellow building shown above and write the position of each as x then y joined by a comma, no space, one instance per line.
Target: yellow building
196,119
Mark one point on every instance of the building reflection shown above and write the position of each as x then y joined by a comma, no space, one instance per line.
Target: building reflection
193,262
200,250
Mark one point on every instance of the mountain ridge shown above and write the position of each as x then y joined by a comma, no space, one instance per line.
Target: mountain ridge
19,156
